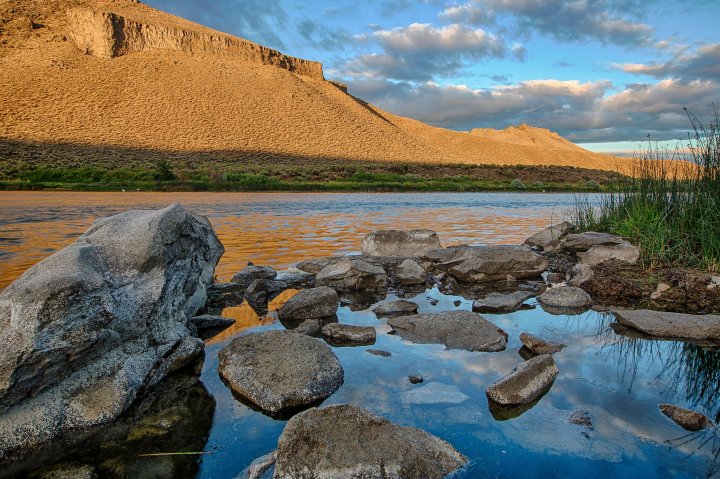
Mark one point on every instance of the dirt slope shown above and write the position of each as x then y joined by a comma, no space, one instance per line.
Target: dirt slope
121,74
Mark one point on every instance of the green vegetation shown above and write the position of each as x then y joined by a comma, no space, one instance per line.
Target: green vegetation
299,175
670,207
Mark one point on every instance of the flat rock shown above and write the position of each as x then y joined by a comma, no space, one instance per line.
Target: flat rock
251,272
565,299
455,329
500,262
449,256
584,241
315,265
410,272
352,275
434,393
209,321
550,236
311,304
347,442
280,370
501,303
525,383
686,418
90,328
296,278
348,333
624,252
394,308
400,243
538,346
671,325
580,274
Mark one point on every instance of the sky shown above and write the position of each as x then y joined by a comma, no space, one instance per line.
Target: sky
603,73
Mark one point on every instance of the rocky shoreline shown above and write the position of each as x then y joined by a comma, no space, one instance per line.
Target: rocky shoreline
90,331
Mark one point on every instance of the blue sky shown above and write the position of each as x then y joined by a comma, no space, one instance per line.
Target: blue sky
604,73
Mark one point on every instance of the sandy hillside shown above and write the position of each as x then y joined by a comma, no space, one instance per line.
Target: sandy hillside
69,76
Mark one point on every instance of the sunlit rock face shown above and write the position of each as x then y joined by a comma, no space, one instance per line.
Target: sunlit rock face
89,329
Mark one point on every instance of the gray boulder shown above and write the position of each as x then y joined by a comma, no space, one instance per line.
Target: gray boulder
454,329
671,325
598,254
251,273
525,383
92,327
224,295
501,303
392,308
400,243
348,333
686,418
315,265
550,236
564,299
347,442
539,346
296,278
261,292
410,272
580,274
280,370
352,275
310,304
584,241
501,262
450,256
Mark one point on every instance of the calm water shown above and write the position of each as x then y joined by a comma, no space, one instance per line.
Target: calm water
619,380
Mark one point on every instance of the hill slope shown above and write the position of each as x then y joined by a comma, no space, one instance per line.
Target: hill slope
111,81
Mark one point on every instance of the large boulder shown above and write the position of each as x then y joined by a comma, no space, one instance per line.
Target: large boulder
500,262
584,241
501,303
550,236
525,383
562,299
400,243
671,325
89,329
624,252
347,442
454,329
310,304
280,371
352,275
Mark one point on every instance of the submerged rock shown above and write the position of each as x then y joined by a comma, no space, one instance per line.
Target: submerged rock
454,329
400,243
538,346
396,308
581,418
686,418
501,262
379,352
671,325
92,327
415,379
501,303
624,252
525,383
310,304
550,236
348,333
565,299
352,275
434,393
347,442
280,370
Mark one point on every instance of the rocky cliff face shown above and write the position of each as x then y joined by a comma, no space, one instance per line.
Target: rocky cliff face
108,34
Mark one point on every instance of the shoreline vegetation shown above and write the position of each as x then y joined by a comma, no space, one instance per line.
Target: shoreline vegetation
670,208
311,176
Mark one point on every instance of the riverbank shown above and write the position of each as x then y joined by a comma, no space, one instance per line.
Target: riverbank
313,175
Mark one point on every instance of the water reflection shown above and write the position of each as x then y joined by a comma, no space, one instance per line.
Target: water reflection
276,229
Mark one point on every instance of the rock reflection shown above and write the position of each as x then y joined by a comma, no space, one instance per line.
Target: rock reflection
161,436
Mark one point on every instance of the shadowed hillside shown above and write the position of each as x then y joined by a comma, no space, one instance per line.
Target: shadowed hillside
118,74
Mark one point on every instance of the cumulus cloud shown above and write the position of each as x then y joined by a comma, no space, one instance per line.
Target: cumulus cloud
422,51
703,64
600,20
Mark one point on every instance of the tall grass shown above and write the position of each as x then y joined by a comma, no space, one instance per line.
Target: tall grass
670,206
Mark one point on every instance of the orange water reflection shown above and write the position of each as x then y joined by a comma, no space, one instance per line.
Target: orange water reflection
245,317
276,229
